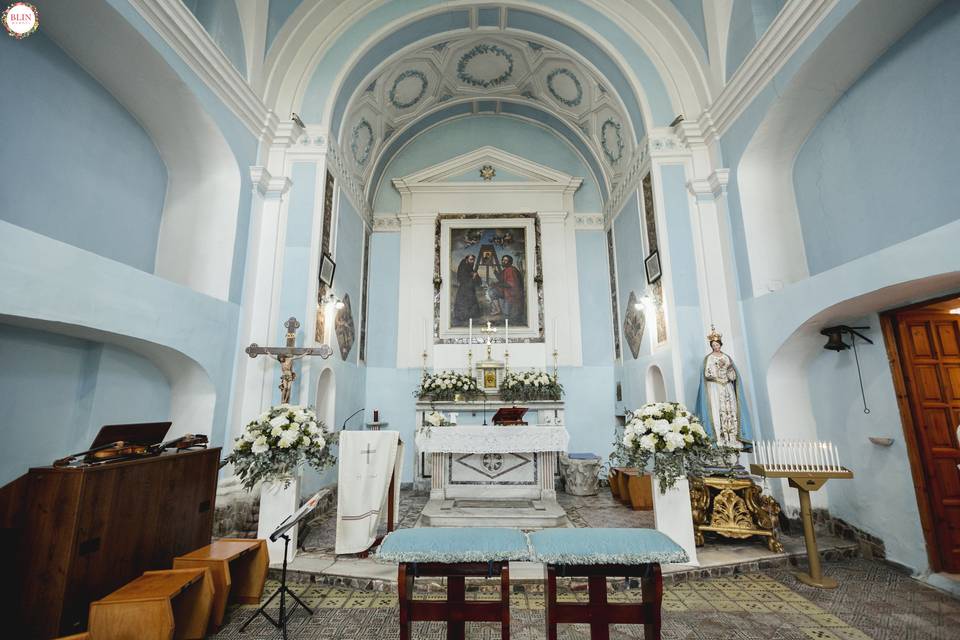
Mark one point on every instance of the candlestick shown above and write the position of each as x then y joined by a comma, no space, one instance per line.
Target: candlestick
376,415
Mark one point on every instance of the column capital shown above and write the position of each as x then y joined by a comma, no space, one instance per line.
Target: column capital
268,186
712,187
553,217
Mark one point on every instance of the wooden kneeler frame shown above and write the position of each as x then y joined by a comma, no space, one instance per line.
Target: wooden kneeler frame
599,613
455,611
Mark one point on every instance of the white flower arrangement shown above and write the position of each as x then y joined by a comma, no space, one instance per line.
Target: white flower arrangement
530,385
669,434
280,441
446,385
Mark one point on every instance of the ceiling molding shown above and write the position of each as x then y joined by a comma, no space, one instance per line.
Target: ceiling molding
190,41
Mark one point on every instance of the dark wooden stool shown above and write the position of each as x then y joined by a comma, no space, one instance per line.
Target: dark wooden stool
455,610
599,613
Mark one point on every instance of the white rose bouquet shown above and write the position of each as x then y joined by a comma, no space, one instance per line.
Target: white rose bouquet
275,445
446,385
523,386
670,435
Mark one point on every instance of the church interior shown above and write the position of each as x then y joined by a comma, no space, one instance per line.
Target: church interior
418,319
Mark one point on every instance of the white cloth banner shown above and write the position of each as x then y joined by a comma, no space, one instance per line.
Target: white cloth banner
473,439
368,460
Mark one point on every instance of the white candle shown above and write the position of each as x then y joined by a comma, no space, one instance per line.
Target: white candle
424,335
470,339
554,335
836,458
506,339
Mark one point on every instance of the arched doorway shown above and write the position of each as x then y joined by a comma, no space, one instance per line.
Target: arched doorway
327,398
656,387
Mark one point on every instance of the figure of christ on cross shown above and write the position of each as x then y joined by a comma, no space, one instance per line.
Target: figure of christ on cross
287,355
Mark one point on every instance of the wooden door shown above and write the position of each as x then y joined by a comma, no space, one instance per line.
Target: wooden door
930,358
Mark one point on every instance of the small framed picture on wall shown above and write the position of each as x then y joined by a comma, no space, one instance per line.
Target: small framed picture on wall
327,269
652,264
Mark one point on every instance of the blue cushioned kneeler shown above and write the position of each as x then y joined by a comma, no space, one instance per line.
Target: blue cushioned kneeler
435,544
604,546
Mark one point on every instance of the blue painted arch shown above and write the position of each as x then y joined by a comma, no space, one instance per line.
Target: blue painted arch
453,21
512,109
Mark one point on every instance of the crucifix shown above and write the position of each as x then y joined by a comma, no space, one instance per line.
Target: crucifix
491,331
287,355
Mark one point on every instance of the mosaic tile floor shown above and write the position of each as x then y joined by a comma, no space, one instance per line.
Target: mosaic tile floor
873,601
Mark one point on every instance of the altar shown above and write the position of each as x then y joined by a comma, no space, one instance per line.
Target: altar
492,475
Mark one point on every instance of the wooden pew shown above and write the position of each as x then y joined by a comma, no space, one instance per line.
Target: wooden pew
238,568
159,605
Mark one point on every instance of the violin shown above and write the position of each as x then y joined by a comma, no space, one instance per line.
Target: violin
122,450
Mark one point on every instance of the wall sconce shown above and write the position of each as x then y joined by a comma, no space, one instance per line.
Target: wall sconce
835,343
645,303
331,300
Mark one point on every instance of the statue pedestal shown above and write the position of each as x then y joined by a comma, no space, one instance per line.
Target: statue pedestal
673,517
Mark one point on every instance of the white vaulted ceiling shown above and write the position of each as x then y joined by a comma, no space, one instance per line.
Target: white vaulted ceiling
496,74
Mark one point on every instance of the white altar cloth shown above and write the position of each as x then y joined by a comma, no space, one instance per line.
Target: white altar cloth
507,439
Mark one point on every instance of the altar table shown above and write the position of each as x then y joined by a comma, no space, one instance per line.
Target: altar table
493,462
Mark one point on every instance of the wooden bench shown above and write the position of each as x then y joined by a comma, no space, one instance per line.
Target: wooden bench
598,554
159,605
454,554
238,568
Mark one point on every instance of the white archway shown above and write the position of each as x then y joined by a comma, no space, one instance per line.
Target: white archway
656,387
327,398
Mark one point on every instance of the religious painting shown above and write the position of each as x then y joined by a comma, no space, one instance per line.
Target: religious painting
345,328
634,322
652,266
489,378
487,273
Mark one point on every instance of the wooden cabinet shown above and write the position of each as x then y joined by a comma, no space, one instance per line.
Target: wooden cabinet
83,532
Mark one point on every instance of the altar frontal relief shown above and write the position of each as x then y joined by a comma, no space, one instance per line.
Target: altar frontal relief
488,276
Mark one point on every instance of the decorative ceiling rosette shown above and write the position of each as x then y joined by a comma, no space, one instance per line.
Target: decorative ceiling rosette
408,88
485,65
361,141
611,139
565,87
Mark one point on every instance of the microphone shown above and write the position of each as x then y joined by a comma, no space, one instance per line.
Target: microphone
344,426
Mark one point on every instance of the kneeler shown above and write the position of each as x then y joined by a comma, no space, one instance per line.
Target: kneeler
454,554
598,554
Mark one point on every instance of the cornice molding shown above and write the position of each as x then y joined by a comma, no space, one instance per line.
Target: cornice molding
386,222
711,187
792,26
266,185
190,41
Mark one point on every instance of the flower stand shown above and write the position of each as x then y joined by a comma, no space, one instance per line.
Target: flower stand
276,503
673,516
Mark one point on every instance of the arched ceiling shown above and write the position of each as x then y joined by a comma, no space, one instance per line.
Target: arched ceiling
389,70
491,74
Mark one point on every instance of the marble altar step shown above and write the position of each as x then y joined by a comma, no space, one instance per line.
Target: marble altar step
473,512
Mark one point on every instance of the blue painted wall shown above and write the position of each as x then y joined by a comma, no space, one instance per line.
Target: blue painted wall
56,392
222,22
350,377
748,21
859,182
692,11
77,166
463,135
277,15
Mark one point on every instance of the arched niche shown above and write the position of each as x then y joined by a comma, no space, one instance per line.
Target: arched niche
197,231
326,402
656,386
193,397
774,239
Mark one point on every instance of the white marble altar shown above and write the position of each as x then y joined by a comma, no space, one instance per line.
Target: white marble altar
491,475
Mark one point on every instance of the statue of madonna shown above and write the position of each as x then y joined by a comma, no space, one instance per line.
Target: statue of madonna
720,401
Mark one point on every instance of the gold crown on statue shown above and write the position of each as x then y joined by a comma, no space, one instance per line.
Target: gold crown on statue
714,335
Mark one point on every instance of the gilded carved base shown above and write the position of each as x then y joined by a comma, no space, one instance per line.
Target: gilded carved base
733,508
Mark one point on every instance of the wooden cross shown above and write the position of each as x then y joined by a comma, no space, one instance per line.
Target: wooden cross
287,355
368,452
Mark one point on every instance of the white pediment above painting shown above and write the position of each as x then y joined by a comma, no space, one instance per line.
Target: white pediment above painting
494,173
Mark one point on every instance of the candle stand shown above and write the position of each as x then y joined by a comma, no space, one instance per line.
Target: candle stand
805,482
